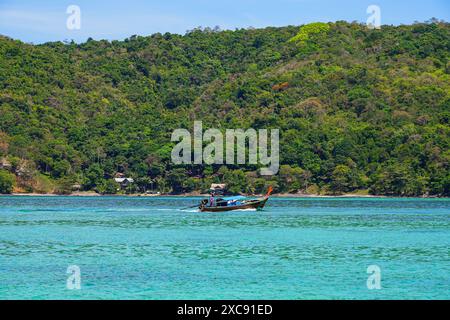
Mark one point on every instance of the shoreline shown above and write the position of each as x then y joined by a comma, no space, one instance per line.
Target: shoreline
194,194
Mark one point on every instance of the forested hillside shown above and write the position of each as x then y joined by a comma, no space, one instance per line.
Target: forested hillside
357,109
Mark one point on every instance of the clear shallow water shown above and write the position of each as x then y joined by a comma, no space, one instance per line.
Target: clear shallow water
145,248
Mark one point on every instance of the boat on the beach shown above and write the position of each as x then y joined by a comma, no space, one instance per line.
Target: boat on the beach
234,203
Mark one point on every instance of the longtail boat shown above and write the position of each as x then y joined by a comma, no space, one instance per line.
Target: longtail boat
235,203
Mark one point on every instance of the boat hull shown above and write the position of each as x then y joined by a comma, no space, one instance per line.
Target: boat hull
256,204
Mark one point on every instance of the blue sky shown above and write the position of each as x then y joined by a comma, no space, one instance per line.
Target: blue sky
45,20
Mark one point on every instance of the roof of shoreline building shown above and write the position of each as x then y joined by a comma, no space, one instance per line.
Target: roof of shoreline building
120,180
215,186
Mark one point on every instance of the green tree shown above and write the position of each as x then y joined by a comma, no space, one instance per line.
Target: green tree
176,178
65,185
94,176
7,181
235,180
293,179
107,186
345,179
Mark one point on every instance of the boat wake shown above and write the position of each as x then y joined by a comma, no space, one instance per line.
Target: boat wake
228,212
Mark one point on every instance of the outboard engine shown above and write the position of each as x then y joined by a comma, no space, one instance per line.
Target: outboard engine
203,203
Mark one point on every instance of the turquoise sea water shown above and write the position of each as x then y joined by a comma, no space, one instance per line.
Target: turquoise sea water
147,248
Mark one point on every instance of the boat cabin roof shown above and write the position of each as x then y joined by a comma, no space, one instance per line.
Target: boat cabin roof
233,198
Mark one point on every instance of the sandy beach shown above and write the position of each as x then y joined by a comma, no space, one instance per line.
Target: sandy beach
195,194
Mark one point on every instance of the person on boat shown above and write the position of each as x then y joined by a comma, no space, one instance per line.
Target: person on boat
212,200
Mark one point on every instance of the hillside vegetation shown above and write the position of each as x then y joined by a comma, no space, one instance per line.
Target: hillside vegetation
357,109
